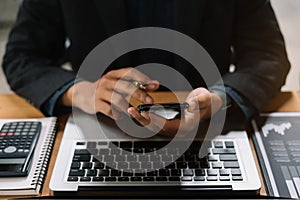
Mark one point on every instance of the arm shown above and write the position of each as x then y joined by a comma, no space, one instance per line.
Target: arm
34,52
260,55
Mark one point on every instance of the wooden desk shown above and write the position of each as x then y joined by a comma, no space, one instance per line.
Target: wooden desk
12,106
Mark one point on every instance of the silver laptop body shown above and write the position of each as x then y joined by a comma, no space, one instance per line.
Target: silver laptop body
230,166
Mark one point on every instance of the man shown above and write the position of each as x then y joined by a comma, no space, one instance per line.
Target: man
240,32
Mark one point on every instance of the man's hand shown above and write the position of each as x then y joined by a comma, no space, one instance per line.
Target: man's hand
110,92
203,105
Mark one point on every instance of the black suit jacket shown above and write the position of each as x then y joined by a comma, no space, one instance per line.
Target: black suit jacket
240,32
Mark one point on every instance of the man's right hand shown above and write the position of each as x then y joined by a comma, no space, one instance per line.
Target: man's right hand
110,92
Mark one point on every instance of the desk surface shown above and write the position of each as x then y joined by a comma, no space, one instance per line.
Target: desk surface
12,106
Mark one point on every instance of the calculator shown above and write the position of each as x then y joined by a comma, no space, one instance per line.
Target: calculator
17,143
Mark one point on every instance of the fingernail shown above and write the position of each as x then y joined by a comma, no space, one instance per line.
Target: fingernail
152,84
148,99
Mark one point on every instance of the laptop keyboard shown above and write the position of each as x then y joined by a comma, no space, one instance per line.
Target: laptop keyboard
102,161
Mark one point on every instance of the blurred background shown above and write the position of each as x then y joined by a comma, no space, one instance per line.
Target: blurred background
287,12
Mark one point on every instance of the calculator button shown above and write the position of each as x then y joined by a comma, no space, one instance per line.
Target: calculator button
10,149
10,134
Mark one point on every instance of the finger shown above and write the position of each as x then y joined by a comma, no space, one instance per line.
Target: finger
142,119
106,109
128,89
129,73
119,102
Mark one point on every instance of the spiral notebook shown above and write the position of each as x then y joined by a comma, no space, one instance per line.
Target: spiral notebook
32,184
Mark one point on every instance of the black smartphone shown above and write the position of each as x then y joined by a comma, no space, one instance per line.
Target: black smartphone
177,106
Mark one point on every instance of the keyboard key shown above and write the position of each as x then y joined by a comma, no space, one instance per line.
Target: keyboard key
73,178
186,178
123,165
120,158
229,144
115,173
155,158
134,165
83,158
91,145
75,165
175,172
136,179
113,144
218,144
224,172
171,166
181,165
76,172
140,174
146,165
93,152
102,143
103,151
85,179
213,158
216,165
152,173
87,165
223,151
123,179
224,178
148,178
97,158
236,172
115,151
228,158
237,178
111,165
188,172
143,158
108,158
199,178
110,179
158,165
204,163
174,178
91,172
127,173
138,150
212,178
98,165
200,172
132,158
103,172
212,172
126,145
193,165
98,179
231,165
161,179
164,172
166,158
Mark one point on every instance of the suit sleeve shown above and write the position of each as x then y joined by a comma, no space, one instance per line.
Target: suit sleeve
35,51
259,53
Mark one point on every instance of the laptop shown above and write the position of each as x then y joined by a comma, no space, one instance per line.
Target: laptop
97,158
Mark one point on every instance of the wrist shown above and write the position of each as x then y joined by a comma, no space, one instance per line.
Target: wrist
225,99
66,98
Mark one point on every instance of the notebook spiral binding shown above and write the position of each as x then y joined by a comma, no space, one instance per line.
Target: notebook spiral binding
46,150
